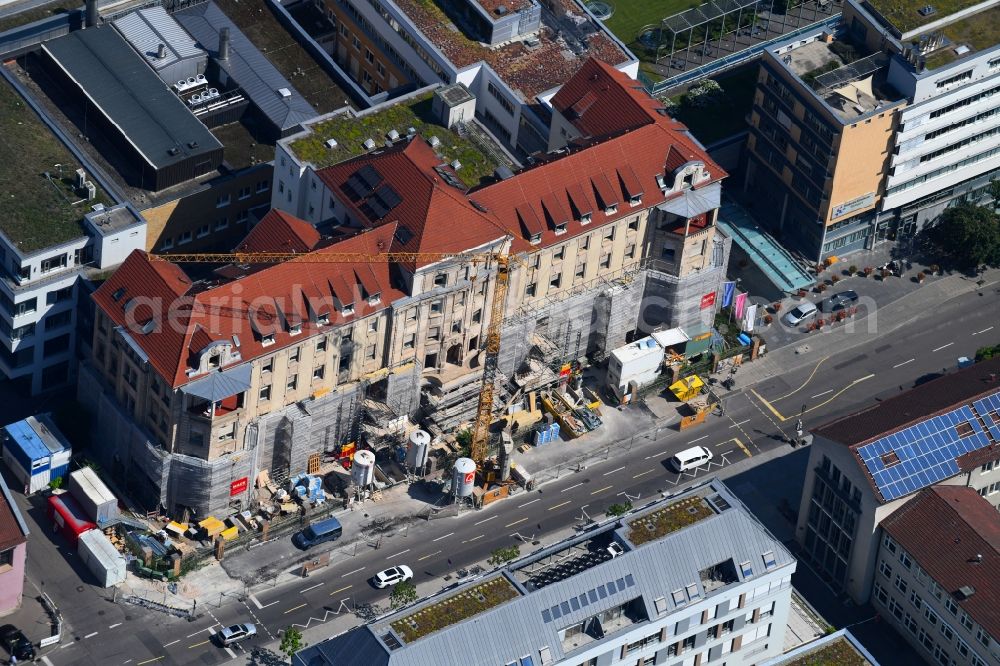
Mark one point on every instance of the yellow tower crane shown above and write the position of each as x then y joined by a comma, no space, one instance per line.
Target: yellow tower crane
484,413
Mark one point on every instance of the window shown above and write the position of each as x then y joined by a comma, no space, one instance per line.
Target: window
668,253
441,280
688,643
267,365
477,317
319,373
434,333
963,648
955,80
606,260
693,592
633,224
916,600
556,281
885,569
373,325
295,329
222,223
267,340
988,467
25,307
380,69
769,561
167,243
965,620
293,383
581,270
265,393
530,290
356,43
951,606
630,251
983,636
611,210
904,558
185,237
436,307
222,201
321,345
678,597
369,56
947,631
409,341
52,263
293,355
22,332
559,253
560,229
263,186
746,569
900,583
931,616
242,216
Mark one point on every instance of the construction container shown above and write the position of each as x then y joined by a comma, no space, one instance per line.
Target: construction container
637,362
68,518
102,558
89,491
35,452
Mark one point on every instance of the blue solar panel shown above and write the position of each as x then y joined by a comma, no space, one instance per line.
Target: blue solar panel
927,450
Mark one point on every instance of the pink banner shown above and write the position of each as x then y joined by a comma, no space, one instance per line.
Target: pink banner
739,303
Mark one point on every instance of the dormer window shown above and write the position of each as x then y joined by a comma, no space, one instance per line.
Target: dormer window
561,228
267,340
347,309
636,200
585,218
661,182
536,238
323,319
295,329
375,299
611,210
689,180
215,360
119,292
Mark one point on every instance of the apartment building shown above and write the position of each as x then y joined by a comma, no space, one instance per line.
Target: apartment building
821,137
936,581
228,399
512,56
867,134
699,581
947,146
865,466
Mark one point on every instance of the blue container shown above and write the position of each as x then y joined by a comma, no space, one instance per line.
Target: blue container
554,431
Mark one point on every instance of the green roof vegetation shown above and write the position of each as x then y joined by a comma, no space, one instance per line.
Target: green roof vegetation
467,603
350,132
837,653
632,17
674,516
727,115
904,15
257,21
979,31
39,13
37,211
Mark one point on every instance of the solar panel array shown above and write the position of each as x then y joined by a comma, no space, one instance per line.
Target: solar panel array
575,603
926,452
989,409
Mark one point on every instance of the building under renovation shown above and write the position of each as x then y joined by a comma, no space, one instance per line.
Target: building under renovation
203,376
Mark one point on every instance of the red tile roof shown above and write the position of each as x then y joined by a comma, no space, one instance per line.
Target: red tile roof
932,398
600,100
438,216
190,315
280,232
10,527
946,529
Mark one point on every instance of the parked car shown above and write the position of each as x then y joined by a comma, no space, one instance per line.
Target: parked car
691,458
615,549
801,313
319,532
237,633
391,576
838,301
16,643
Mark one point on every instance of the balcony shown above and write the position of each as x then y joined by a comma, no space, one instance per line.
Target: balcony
209,410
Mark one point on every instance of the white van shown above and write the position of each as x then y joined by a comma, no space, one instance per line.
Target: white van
691,458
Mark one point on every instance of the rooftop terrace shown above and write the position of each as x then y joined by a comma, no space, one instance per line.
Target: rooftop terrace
351,131
838,653
977,32
37,211
465,603
675,516
907,15
527,69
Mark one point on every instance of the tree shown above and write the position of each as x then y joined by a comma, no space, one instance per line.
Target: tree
970,234
291,641
503,555
403,593
994,190
619,509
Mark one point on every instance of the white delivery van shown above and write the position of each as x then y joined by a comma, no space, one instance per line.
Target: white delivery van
691,458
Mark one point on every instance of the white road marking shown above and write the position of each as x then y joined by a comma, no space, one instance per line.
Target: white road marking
402,552
295,609
47,661
614,470
346,587
230,651
346,574
900,365
738,424
553,508
256,603
699,439
984,330
942,347
444,536
643,473
91,635
516,522
311,588
597,492
171,643
116,624
209,629
539,499
421,559
474,539
575,485
484,520
662,453
820,395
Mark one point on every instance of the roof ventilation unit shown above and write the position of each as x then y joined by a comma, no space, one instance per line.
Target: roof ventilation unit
369,144
393,135
927,10
200,79
434,141
284,92
456,165
965,592
161,51
331,143
501,10
410,131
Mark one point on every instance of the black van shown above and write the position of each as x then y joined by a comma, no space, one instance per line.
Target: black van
317,533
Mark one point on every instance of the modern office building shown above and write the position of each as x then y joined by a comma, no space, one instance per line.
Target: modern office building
936,581
699,581
865,466
821,136
867,133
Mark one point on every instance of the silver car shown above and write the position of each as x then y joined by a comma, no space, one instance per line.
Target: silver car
237,633
800,313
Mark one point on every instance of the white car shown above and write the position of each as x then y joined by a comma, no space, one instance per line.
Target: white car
237,633
391,576
800,313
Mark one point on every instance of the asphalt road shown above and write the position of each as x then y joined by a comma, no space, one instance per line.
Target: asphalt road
755,421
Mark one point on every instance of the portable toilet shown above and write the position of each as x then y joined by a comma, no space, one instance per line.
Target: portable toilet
35,452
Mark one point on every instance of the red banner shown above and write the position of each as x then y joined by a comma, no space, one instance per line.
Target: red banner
238,486
708,300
